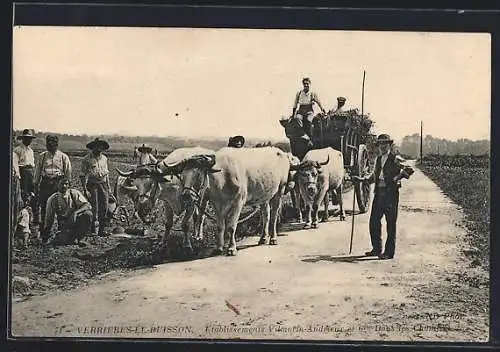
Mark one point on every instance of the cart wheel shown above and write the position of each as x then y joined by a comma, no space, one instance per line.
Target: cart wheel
362,189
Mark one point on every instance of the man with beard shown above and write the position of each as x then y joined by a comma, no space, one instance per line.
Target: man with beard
52,164
95,182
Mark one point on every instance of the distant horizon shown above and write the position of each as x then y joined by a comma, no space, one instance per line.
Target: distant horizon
396,141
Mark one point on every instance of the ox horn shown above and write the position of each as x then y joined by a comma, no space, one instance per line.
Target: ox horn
210,161
130,188
172,165
326,162
124,174
209,158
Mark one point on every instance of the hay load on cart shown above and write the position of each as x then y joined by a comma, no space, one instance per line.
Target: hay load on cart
348,132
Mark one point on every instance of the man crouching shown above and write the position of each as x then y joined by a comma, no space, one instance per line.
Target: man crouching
73,211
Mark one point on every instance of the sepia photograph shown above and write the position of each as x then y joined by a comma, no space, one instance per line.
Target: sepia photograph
250,184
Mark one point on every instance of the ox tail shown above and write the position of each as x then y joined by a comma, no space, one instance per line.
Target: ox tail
252,213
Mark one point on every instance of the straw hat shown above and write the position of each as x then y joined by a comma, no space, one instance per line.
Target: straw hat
27,133
98,144
145,149
384,138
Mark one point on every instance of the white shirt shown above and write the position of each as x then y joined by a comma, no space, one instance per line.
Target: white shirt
383,159
25,154
23,221
304,98
15,166
63,205
146,158
95,167
52,165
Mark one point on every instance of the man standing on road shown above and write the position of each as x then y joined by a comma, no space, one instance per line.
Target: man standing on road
95,182
51,165
26,163
73,211
387,178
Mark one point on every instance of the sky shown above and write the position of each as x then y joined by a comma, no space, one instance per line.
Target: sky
222,82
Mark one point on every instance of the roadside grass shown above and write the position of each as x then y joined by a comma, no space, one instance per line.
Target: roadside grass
466,181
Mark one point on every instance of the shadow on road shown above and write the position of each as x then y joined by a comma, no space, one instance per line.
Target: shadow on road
341,259
160,256
349,212
245,246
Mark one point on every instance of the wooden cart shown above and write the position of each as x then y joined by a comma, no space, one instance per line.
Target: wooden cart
349,133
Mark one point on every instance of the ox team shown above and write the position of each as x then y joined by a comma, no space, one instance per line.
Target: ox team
230,178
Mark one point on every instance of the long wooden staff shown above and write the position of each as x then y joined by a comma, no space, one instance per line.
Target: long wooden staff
354,190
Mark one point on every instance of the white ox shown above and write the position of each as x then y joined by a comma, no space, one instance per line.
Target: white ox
147,184
316,179
237,177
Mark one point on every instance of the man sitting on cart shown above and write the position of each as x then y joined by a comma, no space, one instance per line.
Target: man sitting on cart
340,106
303,106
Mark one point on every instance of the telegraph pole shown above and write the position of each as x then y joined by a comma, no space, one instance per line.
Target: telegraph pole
421,140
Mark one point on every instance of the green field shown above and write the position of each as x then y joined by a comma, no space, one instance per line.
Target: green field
466,180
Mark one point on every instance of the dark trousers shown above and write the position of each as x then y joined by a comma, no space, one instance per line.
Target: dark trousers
307,116
28,182
299,147
385,203
47,188
99,198
71,231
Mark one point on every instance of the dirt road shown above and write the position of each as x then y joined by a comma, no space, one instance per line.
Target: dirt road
307,287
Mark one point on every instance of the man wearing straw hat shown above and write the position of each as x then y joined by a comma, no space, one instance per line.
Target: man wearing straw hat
387,177
340,106
51,165
26,162
95,182
145,156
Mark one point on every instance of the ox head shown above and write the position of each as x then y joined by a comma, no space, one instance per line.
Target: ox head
307,173
143,183
193,173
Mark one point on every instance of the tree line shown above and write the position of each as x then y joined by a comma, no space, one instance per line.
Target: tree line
118,143
410,146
